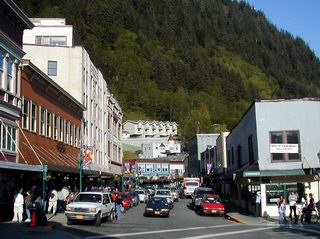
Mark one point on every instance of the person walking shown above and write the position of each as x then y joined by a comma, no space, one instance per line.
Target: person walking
60,202
310,208
27,204
282,210
304,207
118,203
53,201
18,207
293,206
258,203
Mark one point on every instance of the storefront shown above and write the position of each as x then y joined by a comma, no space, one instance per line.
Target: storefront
14,176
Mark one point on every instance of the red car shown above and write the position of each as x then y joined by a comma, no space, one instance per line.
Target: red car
127,200
211,204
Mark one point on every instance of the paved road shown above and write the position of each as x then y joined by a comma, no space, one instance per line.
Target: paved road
183,223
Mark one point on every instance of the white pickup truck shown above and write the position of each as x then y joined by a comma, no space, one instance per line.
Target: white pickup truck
91,206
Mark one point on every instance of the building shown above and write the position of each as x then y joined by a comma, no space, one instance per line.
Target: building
50,127
206,165
274,149
13,175
198,144
71,67
149,129
157,150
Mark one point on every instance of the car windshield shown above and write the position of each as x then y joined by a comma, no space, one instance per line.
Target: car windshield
140,192
202,192
215,200
163,193
89,198
195,184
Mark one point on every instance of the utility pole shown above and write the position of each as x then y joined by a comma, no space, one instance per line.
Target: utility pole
80,166
44,184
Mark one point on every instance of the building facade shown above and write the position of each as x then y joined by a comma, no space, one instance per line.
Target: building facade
71,67
274,149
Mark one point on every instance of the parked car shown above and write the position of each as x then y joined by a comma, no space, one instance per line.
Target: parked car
165,193
174,191
157,206
198,195
127,200
150,189
143,195
135,198
212,204
91,206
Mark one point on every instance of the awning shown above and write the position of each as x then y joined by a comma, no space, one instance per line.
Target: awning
273,173
21,166
56,161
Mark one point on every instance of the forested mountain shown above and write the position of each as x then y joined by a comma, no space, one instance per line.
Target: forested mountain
196,62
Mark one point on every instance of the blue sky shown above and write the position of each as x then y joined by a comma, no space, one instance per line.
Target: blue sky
299,17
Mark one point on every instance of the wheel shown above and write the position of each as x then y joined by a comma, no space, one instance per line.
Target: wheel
314,217
98,220
69,222
111,216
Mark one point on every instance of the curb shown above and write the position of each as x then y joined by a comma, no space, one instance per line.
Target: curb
236,219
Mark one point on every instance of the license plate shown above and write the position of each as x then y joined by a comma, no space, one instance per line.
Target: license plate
157,213
214,211
79,217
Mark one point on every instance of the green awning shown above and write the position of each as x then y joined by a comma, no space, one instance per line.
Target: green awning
273,173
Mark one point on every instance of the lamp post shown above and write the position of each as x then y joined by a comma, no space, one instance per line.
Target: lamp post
44,184
80,166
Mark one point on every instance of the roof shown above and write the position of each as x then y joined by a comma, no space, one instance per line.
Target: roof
23,17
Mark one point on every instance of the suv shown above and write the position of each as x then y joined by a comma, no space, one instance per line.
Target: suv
91,206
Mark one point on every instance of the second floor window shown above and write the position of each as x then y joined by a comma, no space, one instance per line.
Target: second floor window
285,146
42,121
33,121
25,114
48,124
52,68
1,68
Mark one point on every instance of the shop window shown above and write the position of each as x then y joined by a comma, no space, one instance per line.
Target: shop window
274,191
285,146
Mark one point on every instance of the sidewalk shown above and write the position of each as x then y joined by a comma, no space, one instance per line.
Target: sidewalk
242,216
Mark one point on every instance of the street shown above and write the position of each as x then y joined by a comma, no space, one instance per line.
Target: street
182,223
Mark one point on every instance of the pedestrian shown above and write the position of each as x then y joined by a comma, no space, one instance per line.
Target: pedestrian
118,203
27,204
65,191
282,210
60,202
18,207
293,206
258,203
304,206
53,201
311,207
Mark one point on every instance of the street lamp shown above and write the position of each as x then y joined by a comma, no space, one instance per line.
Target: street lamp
80,166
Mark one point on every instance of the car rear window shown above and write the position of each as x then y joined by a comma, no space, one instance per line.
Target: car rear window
163,193
216,200
202,192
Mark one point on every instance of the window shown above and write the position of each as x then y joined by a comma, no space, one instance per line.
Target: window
25,114
67,132
1,68
239,156
8,134
274,191
61,130
42,121
56,127
48,124
51,40
9,73
232,156
33,123
52,68
285,146
71,134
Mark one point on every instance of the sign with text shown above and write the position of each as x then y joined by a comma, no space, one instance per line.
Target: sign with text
284,148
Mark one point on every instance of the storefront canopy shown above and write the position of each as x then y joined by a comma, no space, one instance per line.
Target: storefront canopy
20,166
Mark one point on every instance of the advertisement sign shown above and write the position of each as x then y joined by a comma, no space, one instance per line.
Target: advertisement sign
88,156
284,148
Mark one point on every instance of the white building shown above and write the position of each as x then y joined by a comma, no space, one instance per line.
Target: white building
150,129
50,46
157,150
